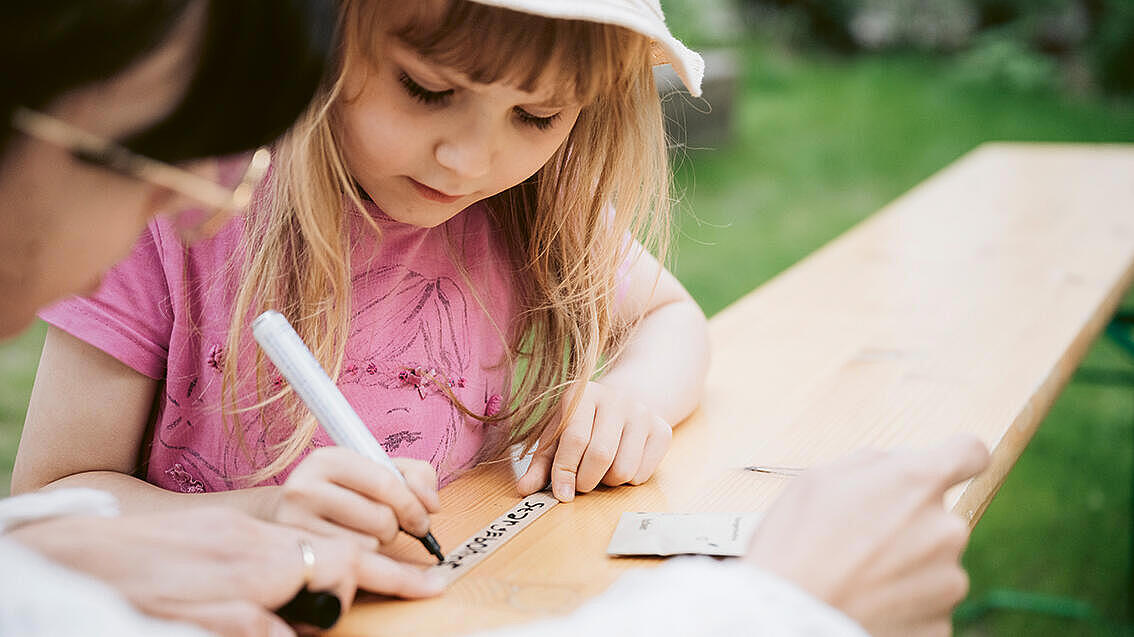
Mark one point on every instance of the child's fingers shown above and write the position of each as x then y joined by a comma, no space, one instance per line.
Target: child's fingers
314,505
355,512
628,459
536,477
572,445
378,483
385,487
606,435
657,444
422,480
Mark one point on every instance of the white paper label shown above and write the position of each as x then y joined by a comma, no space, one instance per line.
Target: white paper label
720,534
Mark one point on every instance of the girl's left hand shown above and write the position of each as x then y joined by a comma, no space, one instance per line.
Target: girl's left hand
612,438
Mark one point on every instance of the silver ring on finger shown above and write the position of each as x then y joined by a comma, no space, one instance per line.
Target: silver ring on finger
307,553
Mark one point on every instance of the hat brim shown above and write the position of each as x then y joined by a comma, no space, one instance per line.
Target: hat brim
688,64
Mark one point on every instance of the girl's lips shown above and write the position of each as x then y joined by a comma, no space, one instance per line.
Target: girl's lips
433,194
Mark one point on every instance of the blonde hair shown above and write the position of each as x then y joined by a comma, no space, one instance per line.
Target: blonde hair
566,228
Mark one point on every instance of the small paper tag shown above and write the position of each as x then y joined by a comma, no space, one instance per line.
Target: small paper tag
719,534
493,536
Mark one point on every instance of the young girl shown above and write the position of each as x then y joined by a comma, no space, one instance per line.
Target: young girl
457,229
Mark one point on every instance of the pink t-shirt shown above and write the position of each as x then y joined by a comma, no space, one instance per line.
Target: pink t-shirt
411,310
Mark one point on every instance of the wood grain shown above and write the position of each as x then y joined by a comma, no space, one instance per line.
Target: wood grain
963,306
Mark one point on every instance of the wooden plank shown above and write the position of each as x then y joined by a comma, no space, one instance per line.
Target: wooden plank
963,306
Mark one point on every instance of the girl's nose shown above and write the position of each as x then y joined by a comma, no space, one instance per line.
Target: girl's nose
467,151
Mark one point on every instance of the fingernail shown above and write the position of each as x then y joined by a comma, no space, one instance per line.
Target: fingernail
563,492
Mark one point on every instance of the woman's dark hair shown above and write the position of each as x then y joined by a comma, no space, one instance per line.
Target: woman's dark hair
260,63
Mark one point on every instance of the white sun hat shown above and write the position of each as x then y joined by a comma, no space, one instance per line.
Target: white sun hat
641,16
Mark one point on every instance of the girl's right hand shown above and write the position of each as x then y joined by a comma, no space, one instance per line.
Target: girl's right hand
335,492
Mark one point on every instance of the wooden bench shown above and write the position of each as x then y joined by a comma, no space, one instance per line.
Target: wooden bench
963,306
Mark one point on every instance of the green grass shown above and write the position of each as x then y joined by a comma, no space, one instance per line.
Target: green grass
821,144
18,361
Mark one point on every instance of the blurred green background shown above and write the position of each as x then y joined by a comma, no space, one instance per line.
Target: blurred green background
841,106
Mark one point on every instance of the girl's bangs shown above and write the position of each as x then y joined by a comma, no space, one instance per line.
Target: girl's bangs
489,44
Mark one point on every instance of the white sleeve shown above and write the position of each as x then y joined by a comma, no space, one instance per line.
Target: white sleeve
695,596
33,507
39,598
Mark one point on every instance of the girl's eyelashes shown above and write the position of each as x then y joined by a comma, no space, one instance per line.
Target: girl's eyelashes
440,98
540,123
421,94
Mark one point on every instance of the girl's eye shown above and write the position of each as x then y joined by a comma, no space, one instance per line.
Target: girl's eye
539,123
421,94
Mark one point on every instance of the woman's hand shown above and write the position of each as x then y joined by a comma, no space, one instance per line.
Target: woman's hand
870,536
335,492
611,438
216,567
